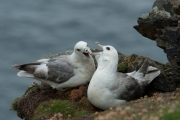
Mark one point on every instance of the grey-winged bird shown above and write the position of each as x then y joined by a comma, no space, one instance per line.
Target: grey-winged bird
62,72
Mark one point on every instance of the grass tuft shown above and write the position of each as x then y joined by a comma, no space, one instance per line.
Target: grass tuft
31,88
123,67
171,112
14,104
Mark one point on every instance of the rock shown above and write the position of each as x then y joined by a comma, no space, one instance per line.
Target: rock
77,94
176,9
160,17
28,103
42,103
162,26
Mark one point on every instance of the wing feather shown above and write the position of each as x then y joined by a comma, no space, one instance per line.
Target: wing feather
60,70
128,87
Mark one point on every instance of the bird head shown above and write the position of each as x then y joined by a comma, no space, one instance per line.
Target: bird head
81,49
108,54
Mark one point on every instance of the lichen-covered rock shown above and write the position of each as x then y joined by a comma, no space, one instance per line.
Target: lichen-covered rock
160,17
162,25
28,103
43,102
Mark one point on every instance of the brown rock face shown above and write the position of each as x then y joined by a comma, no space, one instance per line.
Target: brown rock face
175,2
77,94
29,102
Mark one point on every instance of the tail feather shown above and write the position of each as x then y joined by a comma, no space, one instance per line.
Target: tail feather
25,74
151,74
16,66
144,67
29,67
145,74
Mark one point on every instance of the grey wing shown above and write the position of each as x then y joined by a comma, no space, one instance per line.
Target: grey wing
129,88
60,70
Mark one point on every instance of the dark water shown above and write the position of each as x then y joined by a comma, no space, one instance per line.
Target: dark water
31,28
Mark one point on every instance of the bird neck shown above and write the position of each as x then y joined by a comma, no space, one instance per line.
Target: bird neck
107,74
110,66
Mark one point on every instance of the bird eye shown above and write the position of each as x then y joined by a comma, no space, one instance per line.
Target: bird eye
108,48
78,49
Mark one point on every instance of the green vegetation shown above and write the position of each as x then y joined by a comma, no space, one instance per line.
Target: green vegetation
171,112
80,113
14,104
123,67
64,107
178,90
31,88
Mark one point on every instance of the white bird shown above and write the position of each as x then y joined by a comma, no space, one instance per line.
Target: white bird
62,72
109,88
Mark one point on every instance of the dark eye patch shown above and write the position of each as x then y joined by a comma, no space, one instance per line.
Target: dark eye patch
78,49
108,48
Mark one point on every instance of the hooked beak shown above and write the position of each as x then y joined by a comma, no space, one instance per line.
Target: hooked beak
87,52
97,43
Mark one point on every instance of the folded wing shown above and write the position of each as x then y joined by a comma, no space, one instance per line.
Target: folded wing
57,70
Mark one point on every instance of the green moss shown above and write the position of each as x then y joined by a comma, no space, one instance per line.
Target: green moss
84,104
178,90
171,113
80,113
31,88
14,104
64,107
122,67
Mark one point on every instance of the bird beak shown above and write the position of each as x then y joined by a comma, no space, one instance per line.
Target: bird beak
97,53
87,52
97,43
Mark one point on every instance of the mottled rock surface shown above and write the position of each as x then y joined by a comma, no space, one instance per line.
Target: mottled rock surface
160,106
28,103
163,26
